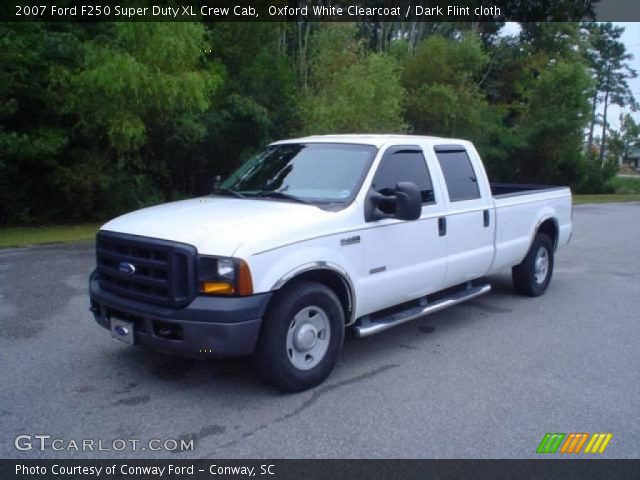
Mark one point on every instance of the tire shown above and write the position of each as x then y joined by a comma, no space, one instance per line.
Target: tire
301,337
531,277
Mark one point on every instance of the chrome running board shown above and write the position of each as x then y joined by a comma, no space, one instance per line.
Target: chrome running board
369,327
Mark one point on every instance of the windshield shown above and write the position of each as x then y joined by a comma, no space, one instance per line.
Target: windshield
313,172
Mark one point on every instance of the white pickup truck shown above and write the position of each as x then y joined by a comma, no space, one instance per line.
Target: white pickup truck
315,235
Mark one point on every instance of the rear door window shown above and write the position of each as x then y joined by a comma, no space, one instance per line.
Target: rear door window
461,180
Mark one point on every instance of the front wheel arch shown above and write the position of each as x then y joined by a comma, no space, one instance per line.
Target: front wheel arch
333,278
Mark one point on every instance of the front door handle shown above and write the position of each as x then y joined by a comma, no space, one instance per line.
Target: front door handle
442,226
485,217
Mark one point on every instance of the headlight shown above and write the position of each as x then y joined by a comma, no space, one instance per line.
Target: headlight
223,276
226,267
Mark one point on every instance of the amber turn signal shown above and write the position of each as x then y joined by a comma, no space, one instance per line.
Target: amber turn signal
244,281
216,287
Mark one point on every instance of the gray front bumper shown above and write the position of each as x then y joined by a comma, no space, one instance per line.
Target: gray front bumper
209,326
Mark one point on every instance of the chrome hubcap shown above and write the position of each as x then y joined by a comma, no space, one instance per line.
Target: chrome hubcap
308,337
541,265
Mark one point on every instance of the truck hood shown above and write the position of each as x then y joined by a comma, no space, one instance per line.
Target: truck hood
219,225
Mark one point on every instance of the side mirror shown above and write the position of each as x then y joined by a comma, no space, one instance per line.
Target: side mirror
406,203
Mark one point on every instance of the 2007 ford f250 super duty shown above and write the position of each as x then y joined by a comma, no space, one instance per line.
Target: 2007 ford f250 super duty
317,234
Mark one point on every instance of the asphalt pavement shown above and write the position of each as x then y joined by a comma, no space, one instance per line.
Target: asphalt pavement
484,379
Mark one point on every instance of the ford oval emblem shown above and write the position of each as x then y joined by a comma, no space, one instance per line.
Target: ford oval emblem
127,268
120,330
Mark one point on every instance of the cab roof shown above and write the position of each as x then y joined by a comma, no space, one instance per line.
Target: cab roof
378,140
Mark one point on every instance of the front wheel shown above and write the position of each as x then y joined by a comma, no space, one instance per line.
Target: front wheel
301,336
532,276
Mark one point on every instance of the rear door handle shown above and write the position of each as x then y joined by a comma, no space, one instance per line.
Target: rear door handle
442,226
486,218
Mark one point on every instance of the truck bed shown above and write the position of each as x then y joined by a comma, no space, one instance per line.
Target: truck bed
505,190
519,209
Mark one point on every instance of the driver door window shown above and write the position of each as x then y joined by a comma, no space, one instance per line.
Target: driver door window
402,164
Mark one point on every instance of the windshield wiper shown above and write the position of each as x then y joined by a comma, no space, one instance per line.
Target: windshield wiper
228,191
283,195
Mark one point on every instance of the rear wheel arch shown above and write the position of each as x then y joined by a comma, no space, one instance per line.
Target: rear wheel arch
549,227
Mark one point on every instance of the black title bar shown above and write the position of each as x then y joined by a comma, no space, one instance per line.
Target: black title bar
319,469
320,10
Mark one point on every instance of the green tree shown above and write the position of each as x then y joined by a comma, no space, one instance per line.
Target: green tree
137,103
257,103
33,135
97,119
147,80
541,84
441,79
350,90
553,124
609,62
100,118
623,142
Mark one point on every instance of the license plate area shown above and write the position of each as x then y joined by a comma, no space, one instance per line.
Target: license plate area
123,330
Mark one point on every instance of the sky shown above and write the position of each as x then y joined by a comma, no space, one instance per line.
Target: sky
631,39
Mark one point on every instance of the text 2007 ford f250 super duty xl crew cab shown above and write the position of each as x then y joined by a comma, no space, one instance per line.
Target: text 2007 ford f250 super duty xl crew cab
317,234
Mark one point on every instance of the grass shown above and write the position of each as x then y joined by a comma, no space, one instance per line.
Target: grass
25,236
606,198
625,185
626,189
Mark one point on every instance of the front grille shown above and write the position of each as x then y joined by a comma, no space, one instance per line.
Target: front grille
164,271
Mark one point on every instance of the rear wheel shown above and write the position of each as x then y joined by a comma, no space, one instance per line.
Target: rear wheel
532,276
301,337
